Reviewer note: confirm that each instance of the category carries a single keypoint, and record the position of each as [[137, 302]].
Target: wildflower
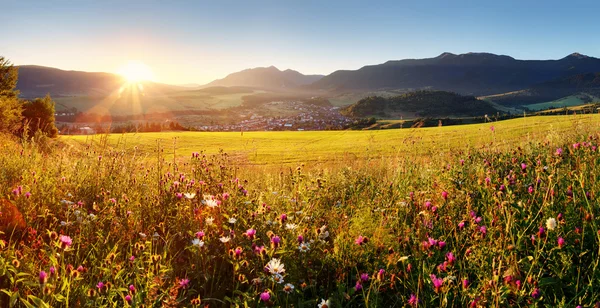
[[361, 240], [441, 244], [323, 233], [465, 283], [536, 293], [238, 252], [179, 195], [232, 220], [198, 242], [132, 258], [288, 288], [65, 241], [551, 224], [461, 225], [100, 286], [265, 296], [225, 196], [492, 128], [324, 304], [413, 300], [211, 203], [300, 238], [209, 221], [290, 226], [450, 258], [275, 267], [225, 239], [304, 247], [358, 286], [437, 282], [530, 189], [364, 277], [184, 283], [128, 298], [483, 230], [283, 218], [278, 278], [250, 233], [200, 234], [259, 250], [523, 166], [380, 274], [43, 277], [558, 152], [445, 195], [189, 195], [541, 231], [576, 145], [275, 241], [561, 242]]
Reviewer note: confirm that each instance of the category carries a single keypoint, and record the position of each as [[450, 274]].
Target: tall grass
[[480, 225]]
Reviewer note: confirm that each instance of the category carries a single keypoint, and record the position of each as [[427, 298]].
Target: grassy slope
[[327, 146]]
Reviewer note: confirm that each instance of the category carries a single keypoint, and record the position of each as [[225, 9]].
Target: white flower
[[278, 278], [232, 220], [291, 226], [155, 235], [288, 288], [211, 203], [225, 239], [551, 224], [209, 220], [142, 235], [197, 242], [324, 234], [324, 304], [304, 247], [92, 216], [190, 195], [77, 212], [275, 267]]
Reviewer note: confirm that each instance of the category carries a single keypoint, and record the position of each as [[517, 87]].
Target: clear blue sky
[[198, 41]]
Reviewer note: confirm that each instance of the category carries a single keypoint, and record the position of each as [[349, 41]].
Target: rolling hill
[[470, 73], [419, 104], [266, 78]]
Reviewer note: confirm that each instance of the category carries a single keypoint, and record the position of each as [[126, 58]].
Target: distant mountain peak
[[446, 55], [577, 56]]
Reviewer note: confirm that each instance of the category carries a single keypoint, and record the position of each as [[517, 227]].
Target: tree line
[[23, 117]]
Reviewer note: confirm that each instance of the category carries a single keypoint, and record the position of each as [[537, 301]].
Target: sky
[[199, 41]]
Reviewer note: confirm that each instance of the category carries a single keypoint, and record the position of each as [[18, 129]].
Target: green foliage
[[421, 103], [10, 108], [39, 115]]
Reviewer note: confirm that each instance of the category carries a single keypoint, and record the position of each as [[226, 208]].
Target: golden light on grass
[[136, 71]]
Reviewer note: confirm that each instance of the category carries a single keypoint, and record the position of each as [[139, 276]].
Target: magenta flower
[[559, 152], [451, 258], [43, 277], [250, 233], [483, 230], [283, 218], [300, 239], [541, 232], [441, 244], [225, 196], [360, 240], [561, 242], [364, 277], [52, 270], [265, 296], [576, 145], [184, 283], [465, 283], [530, 189], [492, 128], [65, 241], [358, 286], [128, 298], [461, 225], [27, 195], [428, 204], [132, 288], [413, 300], [437, 282], [275, 240], [100, 285], [537, 293], [523, 166], [445, 195], [380, 274]]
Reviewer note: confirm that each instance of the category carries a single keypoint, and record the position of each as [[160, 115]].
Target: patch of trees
[[23, 117]]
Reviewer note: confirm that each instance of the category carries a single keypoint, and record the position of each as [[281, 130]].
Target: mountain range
[[470, 73], [267, 78]]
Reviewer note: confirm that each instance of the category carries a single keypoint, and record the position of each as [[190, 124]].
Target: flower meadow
[[477, 227]]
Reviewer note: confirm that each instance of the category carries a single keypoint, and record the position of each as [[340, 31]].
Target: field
[[502, 214]]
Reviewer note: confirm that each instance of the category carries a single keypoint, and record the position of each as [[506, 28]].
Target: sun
[[136, 71]]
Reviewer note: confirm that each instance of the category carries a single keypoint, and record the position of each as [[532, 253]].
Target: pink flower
[[283, 218], [275, 241], [358, 286], [43, 277], [523, 166], [536, 293], [364, 277], [128, 298], [437, 282], [451, 258], [250, 233], [445, 195], [360, 240], [65, 241], [530, 189], [225, 196], [441, 244], [100, 285], [300, 238], [132, 288], [559, 151], [483, 230], [561, 242], [265, 296], [200, 235], [184, 283], [413, 300], [461, 225], [465, 283]]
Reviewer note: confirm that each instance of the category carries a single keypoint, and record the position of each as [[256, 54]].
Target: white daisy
[[324, 304], [275, 267], [211, 203], [551, 224], [304, 247], [197, 242], [209, 221], [225, 239], [190, 195], [278, 278], [288, 288], [232, 220], [290, 226]]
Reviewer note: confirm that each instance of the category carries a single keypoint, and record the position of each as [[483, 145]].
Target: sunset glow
[[136, 71]]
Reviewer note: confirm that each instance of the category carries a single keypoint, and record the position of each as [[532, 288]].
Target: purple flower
[[100, 285], [559, 151], [465, 283], [275, 240], [364, 277], [65, 241], [52, 270], [250, 233], [441, 244], [536, 293], [128, 298], [450, 257], [283, 217], [483, 230], [132, 288], [358, 286], [265, 296], [43, 277], [542, 231], [360, 240], [461, 225], [184, 283]]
